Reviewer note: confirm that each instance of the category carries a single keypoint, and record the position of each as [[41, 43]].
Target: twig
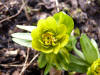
[[57, 5], [19, 65], [26, 13], [25, 61], [19, 11], [33, 59], [35, 10], [12, 65], [30, 62]]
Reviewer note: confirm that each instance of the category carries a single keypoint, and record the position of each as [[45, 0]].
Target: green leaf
[[72, 46], [77, 52], [77, 64], [95, 45], [89, 51], [63, 18], [47, 69], [22, 42], [62, 61], [24, 36], [49, 56], [77, 68], [64, 52], [27, 28], [57, 64], [42, 60], [69, 46], [78, 61]]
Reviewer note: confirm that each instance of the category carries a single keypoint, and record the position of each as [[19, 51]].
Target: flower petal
[[47, 24], [61, 30], [56, 49], [35, 37], [36, 44], [64, 40]]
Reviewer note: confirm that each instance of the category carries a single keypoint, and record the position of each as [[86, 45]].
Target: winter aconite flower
[[49, 36], [95, 68]]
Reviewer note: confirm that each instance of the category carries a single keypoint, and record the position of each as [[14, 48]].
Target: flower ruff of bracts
[[49, 36], [95, 68]]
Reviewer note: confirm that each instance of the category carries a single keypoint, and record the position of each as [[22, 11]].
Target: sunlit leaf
[[95, 45], [22, 42], [27, 28], [24, 36]]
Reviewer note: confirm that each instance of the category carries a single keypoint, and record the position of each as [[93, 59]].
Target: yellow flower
[[52, 33], [49, 36], [95, 68]]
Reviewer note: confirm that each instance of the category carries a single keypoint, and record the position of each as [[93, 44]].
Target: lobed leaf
[[77, 52], [89, 51], [77, 64], [77, 68], [78, 61]]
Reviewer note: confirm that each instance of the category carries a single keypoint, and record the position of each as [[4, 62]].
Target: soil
[[86, 15]]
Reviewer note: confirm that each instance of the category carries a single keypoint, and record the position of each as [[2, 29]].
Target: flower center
[[48, 39], [98, 69]]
